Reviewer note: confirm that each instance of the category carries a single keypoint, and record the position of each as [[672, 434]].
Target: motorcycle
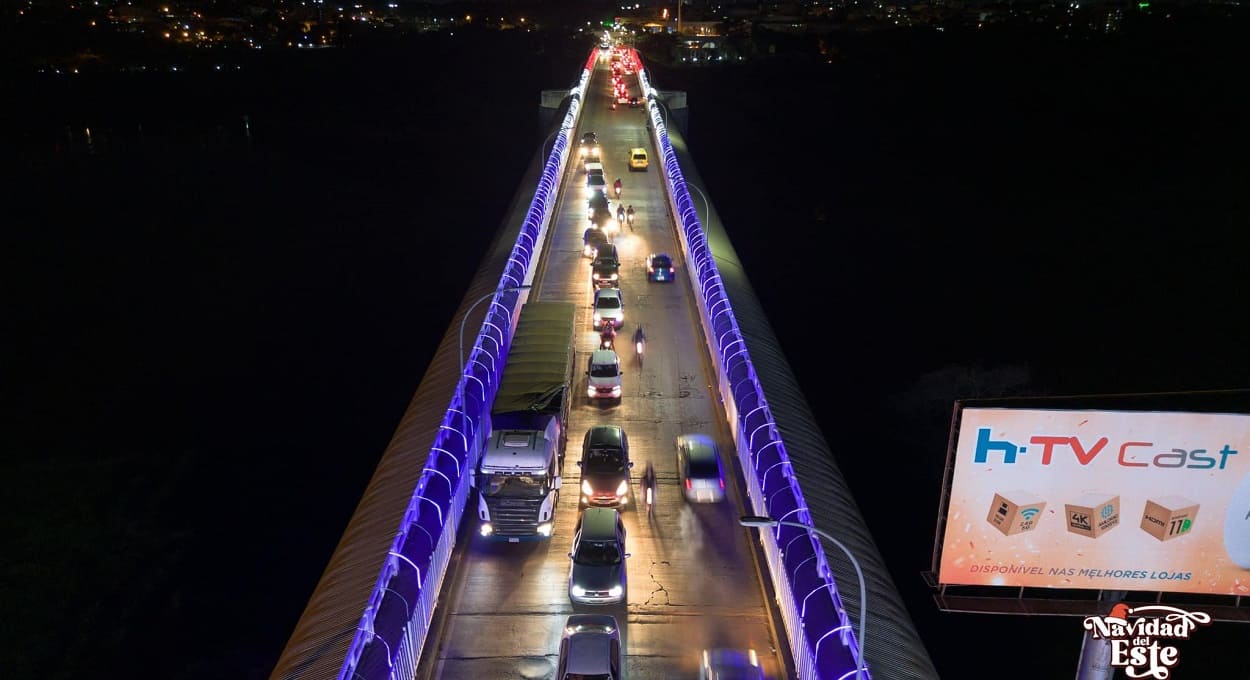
[[617, 188], [607, 338]]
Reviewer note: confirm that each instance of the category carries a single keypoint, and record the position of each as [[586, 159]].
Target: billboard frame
[[1034, 601]]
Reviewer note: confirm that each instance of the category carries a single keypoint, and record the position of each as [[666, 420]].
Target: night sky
[[210, 336]]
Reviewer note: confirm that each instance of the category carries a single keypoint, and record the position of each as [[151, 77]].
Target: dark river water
[[223, 288]]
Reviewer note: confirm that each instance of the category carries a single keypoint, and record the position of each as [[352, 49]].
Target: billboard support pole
[[1095, 663]]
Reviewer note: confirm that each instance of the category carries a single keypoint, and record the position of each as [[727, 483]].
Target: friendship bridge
[[411, 591]]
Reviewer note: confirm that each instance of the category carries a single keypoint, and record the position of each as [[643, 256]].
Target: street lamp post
[[762, 522], [665, 107], [707, 209], [547, 139], [460, 355]]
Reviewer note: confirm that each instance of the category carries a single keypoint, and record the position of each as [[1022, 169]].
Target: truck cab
[[519, 482]]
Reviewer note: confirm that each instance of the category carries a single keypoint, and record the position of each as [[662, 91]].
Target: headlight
[[614, 591], [487, 529], [622, 488], [578, 591], [613, 277], [587, 488], [545, 529], [616, 391], [590, 391], [598, 317], [594, 275]]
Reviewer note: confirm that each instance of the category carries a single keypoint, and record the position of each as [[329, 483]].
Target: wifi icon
[[1029, 513]]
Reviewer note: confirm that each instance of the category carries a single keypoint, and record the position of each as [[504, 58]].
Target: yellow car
[[637, 159]]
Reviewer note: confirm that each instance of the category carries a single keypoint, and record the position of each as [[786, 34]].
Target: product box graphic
[[1093, 514], [1014, 512], [1169, 517]]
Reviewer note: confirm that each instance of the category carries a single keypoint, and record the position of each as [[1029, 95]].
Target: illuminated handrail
[[417, 561], [811, 606]]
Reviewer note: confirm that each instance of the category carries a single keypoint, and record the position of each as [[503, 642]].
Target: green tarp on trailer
[[540, 362]]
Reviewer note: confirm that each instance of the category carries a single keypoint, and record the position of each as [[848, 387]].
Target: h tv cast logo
[[1135, 644], [1085, 452]]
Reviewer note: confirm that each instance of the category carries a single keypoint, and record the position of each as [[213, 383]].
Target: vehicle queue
[[591, 645]]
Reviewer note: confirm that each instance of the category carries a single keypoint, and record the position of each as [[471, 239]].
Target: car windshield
[[604, 371], [608, 302], [704, 469], [595, 179], [661, 261], [514, 486], [597, 554], [603, 461]]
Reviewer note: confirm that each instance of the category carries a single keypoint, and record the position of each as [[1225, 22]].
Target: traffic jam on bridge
[[648, 460]]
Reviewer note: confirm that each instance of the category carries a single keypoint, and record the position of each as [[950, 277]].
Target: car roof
[[604, 356], [599, 523], [663, 255], [589, 653], [604, 435], [607, 292], [698, 446], [732, 664], [638, 150]]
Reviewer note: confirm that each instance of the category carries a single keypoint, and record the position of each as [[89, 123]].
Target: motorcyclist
[[617, 187], [629, 214], [640, 339], [648, 482], [620, 213], [607, 336]]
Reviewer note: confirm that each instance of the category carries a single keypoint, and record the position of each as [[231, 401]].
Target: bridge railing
[[396, 620], [821, 639]]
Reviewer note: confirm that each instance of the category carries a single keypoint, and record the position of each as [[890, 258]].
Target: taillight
[[688, 484], [722, 485]]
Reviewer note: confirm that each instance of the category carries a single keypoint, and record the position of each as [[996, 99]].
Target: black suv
[[605, 269], [605, 467]]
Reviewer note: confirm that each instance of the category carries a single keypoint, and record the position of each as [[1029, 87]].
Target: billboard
[[1101, 500]]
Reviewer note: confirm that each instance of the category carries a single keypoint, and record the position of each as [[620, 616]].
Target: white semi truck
[[518, 476]]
